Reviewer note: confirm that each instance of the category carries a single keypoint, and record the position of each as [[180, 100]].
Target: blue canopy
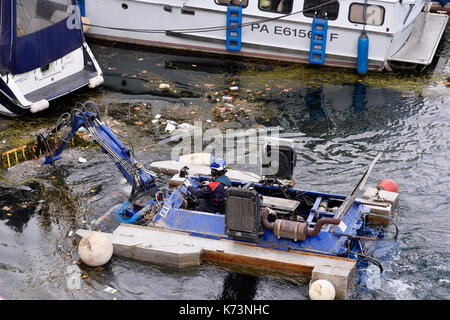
[[34, 33]]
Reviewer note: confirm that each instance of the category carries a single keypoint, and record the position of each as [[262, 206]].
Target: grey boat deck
[[62, 87]]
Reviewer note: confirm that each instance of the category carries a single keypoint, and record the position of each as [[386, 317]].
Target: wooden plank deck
[[179, 249]]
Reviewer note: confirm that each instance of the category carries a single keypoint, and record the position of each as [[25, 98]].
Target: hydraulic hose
[[387, 218], [214, 28]]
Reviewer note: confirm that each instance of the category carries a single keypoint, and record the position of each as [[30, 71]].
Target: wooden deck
[[179, 249]]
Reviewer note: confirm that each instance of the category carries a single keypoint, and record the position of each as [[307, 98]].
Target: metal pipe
[[320, 223], [265, 218], [293, 229]]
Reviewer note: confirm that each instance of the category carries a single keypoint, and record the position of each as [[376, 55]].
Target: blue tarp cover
[[34, 33]]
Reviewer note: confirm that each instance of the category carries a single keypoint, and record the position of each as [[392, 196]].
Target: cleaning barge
[[266, 223]]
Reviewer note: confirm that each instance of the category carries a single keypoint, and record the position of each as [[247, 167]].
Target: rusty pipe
[[320, 223], [284, 228], [290, 229], [265, 218], [293, 229]]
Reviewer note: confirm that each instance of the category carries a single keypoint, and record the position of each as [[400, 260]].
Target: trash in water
[[170, 127], [110, 290], [186, 126]]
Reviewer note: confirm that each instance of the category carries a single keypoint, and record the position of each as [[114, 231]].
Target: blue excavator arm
[[87, 116]]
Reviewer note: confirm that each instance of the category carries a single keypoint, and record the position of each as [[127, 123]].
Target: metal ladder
[[318, 40], [234, 27]]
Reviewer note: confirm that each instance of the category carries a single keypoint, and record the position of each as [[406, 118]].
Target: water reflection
[[343, 110], [238, 286], [338, 127], [18, 205], [359, 97]]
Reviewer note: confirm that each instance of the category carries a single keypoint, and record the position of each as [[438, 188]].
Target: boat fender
[[39, 106], [322, 290], [86, 24], [363, 53], [388, 185], [95, 82], [95, 249]]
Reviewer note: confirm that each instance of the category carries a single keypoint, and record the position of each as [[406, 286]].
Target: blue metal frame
[[82, 6], [108, 138], [213, 225]]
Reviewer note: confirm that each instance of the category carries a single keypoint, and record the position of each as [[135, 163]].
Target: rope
[[365, 15], [371, 259]]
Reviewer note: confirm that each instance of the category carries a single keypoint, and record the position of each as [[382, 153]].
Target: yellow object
[[7, 153], [20, 31], [85, 21], [265, 3]]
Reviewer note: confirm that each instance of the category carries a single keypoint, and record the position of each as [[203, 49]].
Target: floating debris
[[110, 290], [170, 127]]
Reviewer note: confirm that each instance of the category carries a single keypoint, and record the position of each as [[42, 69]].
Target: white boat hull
[[31, 91], [283, 39]]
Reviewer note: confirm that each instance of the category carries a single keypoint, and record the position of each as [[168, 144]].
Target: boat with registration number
[[361, 34]]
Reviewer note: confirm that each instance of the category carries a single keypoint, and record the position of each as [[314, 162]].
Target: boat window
[[279, 6], [318, 8], [374, 14], [35, 15], [233, 2]]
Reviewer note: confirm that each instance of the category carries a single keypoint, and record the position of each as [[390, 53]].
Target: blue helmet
[[218, 164]]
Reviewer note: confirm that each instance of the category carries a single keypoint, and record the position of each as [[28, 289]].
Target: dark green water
[[342, 121]]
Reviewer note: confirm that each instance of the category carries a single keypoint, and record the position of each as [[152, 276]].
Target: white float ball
[[322, 290], [95, 249], [86, 24]]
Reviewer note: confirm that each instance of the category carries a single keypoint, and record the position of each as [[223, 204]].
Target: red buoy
[[388, 185]]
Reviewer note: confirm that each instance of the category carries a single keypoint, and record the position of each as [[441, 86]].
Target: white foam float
[[95, 249]]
